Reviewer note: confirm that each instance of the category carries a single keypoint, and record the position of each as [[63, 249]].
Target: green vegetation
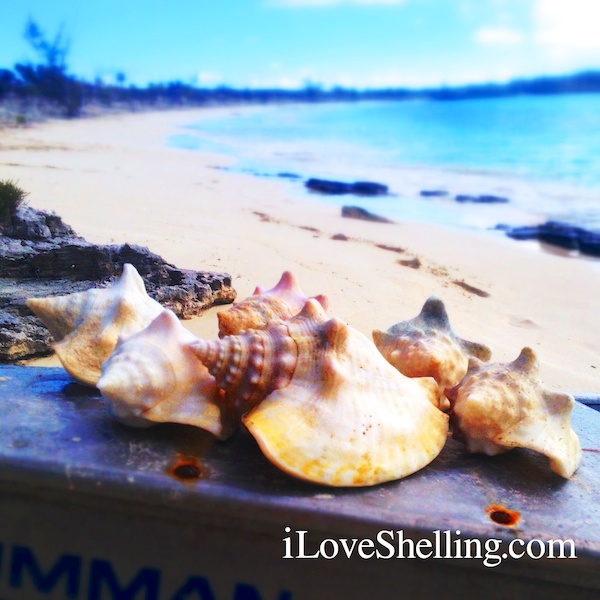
[[11, 196]]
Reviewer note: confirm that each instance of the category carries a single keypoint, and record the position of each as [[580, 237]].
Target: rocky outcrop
[[42, 256], [556, 233], [338, 188]]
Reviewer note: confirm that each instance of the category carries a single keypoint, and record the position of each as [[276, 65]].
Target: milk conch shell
[[86, 325], [153, 376], [323, 404], [426, 346], [283, 301], [497, 407]]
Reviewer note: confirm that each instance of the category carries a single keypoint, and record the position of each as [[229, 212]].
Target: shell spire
[[153, 376], [497, 407], [281, 302], [249, 366], [86, 325]]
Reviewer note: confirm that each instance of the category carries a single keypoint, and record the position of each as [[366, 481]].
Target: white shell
[[153, 376], [497, 407], [86, 325]]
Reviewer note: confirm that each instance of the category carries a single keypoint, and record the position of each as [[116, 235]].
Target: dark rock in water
[[560, 234], [339, 188], [434, 193], [490, 199], [42, 256], [356, 212], [589, 243], [483, 199], [369, 188], [465, 198], [340, 237], [325, 186], [523, 233]]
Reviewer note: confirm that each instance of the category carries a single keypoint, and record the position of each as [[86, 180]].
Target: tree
[[49, 78]]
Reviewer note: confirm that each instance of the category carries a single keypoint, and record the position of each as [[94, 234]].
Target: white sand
[[114, 180]]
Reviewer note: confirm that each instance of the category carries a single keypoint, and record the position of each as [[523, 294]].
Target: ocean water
[[541, 152]]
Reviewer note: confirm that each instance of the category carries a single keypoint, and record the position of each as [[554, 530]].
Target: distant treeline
[[48, 85], [32, 83]]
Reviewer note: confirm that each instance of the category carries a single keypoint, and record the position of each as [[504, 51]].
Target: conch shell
[[497, 407], [426, 346], [86, 325], [283, 301], [154, 376], [323, 404]]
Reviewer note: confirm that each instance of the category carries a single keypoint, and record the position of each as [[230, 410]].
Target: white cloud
[[306, 3], [567, 25], [501, 36], [206, 78]]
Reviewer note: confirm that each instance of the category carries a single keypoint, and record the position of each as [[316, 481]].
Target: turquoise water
[[541, 152]]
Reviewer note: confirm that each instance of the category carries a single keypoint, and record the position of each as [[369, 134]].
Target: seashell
[[323, 404], [497, 407], [86, 325], [153, 376], [426, 346], [283, 301]]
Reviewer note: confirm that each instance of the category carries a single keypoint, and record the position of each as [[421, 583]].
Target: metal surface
[[60, 450], [591, 400]]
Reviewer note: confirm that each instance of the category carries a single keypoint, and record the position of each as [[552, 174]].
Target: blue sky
[[361, 43]]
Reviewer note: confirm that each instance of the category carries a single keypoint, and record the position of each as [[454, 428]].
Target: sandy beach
[[115, 180]]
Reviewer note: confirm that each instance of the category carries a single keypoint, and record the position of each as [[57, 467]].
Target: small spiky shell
[[497, 407], [153, 376], [282, 302], [331, 410], [426, 346], [86, 325]]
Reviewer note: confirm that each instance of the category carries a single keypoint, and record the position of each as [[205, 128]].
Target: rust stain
[[186, 468], [502, 515]]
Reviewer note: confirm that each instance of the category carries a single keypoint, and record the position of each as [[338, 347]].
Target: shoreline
[[260, 146], [114, 179]]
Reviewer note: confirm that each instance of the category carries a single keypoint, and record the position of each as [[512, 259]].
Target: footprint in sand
[[523, 323], [471, 289]]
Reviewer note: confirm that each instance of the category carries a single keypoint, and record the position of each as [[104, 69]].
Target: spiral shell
[[153, 376], [330, 409], [86, 325], [283, 301], [426, 346], [497, 407]]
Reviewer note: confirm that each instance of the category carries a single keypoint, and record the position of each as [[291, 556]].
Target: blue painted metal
[[59, 446]]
